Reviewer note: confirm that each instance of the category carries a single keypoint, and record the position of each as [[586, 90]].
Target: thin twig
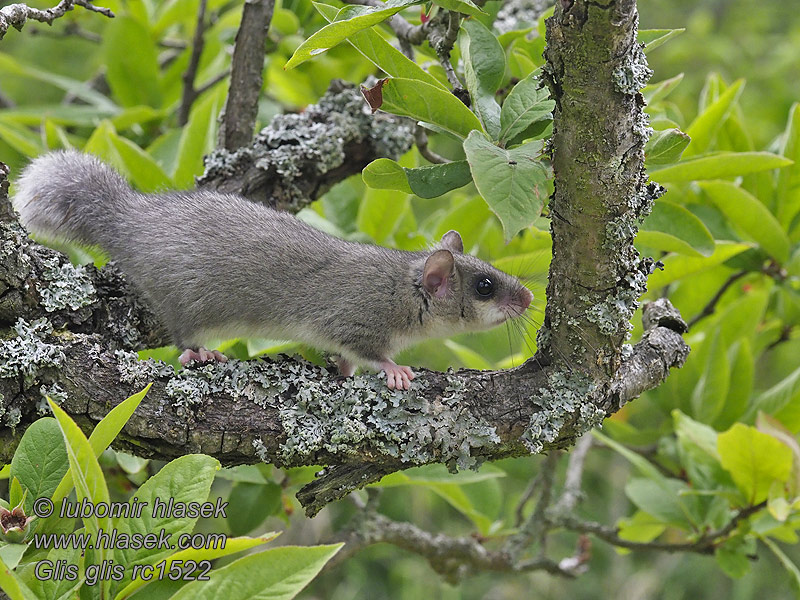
[[452, 557], [572, 494], [71, 29], [535, 528], [709, 308], [189, 91], [98, 9], [421, 140], [705, 544], [785, 336], [442, 37], [15, 15], [213, 81]]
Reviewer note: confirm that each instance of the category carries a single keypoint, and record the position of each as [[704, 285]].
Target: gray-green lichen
[[633, 74], [25, 355], [297, 146], [519, 14], [12, 417], [55, 393], [347, 417], [568, 399], [65, 286]]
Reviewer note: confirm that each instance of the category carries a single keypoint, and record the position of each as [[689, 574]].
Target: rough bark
[[241, 107], [291, 413]]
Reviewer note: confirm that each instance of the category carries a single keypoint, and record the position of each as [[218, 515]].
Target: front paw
[[201, 355], [398, 377]]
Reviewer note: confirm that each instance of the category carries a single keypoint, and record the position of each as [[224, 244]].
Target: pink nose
[[525, 297]]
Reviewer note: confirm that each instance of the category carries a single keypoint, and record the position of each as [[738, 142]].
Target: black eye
[[485, 287]]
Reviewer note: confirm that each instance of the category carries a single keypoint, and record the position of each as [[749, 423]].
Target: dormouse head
[[468, 293]]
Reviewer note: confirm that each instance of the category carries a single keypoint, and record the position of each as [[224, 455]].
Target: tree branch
[[298, 157], [453, 558], [709, 308], [198, 42], [238, 120], [705, 544], [15, 15]]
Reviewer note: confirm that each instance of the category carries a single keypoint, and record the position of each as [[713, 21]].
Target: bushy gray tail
[[70, 196]]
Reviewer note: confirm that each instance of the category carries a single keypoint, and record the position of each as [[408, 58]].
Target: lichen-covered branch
[[15, 15], [454, 558], [595, 68], [298, 157]]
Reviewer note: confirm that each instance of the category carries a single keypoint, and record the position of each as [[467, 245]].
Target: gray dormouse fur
[[217, 265]]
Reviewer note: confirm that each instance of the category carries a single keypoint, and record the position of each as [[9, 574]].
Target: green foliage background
[[737, 94]]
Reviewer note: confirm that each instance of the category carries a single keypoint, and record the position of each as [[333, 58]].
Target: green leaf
[[771, 426], [654, 92], [435, 180], [379, 214], [662, 499], [232, 546], [644, 466], [20, 139], [139, 166], [641, 527], [719, 165], [741, 318], [435, 474], [468, 357], [277, 574], [462, 6], [783, 393], [386, 174], [250, 504], [40, 460], [484, 68], [788, 187], [741, 385], [672, 228], [80, 89], [653, 38], [754, 460], [528, 103], [128, 158], [700, 435], [185, 479], [513, 182], [665, 147], [733, 561], [677, 267], [785, 561], [705, 126], [198, 137], [333, 34], [381, 53], [103, 434], [708, 396], [11, 554], [12, 586], [90, 484], [751, 216], [132, 76], [428, 103]]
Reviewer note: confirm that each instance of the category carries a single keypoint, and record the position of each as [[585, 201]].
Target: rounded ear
[[436, 275], [452, 241]]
